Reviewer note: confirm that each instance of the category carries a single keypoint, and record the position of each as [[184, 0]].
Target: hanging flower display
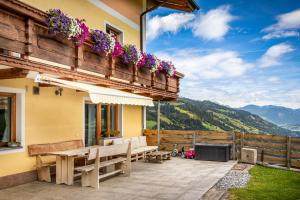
[[102, 42], [77, 31], [73, 29], [149, 61], [58, 22], [84, 33], [131, 54], [168, 68], [118, 50]]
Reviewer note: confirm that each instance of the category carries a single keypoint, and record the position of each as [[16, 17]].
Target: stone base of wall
[[17, 179]]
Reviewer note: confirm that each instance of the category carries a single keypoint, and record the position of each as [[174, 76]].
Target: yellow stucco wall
[[48, 118], [51, 118], [132, 118], [94, 16]]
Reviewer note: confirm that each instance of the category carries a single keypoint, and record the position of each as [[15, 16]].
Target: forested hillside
[[187, 114]]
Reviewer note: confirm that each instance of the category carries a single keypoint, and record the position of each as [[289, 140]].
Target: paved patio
[[174, 179]]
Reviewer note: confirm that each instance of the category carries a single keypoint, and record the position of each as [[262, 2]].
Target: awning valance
[[99, 94]]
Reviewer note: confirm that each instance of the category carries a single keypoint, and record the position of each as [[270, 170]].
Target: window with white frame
[[115, 32], [12, 102]]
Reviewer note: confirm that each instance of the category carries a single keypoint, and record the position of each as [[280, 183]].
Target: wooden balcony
[[26, 44]]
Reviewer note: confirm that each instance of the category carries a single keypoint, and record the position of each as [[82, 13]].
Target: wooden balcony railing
[[24, 31]]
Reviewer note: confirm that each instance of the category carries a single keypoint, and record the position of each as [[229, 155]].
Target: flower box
[[52, 48], [172, 84], [159, 81], [95, 62], [123, 71], [144, 76]]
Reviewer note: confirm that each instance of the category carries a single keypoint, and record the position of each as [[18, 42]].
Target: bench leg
[[90, 178], [44, 174]]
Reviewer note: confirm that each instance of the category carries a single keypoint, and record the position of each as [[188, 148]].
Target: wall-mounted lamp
[[58, 91]]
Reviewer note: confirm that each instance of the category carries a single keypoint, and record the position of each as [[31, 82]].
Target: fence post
[[194, 139], [242, 144], [233, 146], [288, 152]]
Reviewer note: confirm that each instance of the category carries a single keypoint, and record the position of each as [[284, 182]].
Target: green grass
[[269, 184], [188, 113], [150, 124]]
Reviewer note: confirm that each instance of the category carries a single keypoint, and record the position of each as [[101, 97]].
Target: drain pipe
[[142, 24], [158, 124]]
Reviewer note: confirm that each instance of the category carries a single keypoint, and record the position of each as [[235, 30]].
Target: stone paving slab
[[177, 179]]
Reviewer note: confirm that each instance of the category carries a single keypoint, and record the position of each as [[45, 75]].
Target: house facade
[[52, 91]]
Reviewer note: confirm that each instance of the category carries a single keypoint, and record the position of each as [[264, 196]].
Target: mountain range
[[188, 114], [281, 116]]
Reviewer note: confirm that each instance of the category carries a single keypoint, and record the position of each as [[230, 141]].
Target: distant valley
[[285, 117], [187, 114]]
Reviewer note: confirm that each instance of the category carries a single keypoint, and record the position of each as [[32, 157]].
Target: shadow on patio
[[174, 179]]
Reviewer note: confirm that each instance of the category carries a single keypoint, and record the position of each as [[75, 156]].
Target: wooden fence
[[271, 149]]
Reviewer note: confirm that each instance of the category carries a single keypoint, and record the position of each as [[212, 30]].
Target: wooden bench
[[40, 150], [120, 159]]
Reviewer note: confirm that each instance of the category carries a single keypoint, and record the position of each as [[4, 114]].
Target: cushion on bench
[[135, 143], [143, 141]]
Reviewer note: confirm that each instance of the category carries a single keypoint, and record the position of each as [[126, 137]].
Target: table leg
[[64, 169], [58, 170], [70, 170]]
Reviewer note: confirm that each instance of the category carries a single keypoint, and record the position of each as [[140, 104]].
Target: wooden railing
[[23, 31], [271, 149]]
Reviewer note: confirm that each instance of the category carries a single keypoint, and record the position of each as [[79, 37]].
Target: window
[[7, 118], [118, 34], [100, 121]]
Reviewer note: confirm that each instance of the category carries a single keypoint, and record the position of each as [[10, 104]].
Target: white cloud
[[171, 23], [274, 79], [280, 34], [214, 65], [286, 26], [214, 24], [273, 55]]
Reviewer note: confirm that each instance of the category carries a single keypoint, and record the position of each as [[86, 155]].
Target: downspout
[[141, 22]]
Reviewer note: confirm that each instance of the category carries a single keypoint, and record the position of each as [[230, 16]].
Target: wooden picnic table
[[65, 164]]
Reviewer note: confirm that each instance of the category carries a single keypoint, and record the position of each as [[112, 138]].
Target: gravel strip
[[234, 179]]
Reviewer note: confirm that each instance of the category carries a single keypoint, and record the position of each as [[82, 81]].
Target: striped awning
[[99, 94]]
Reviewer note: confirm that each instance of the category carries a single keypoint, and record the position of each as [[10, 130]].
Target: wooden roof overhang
[[182, 5], [26, 46]]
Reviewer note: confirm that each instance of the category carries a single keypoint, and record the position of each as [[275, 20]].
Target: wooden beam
[[53, 70], [13, 73]]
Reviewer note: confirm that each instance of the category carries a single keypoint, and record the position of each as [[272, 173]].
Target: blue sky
[[233, 52]]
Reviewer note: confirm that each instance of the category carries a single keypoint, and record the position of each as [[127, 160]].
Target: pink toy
[[190, 154]]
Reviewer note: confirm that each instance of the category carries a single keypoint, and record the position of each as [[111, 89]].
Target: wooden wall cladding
[[12, 32], [122, 71], [159, 81], [24, 36], [95, 62], [52, 48], [172, 84], [144, 77]]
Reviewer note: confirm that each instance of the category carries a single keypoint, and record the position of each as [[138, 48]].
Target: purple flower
[[131, 54], [168, 68], [58, 22], [103, 43]]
